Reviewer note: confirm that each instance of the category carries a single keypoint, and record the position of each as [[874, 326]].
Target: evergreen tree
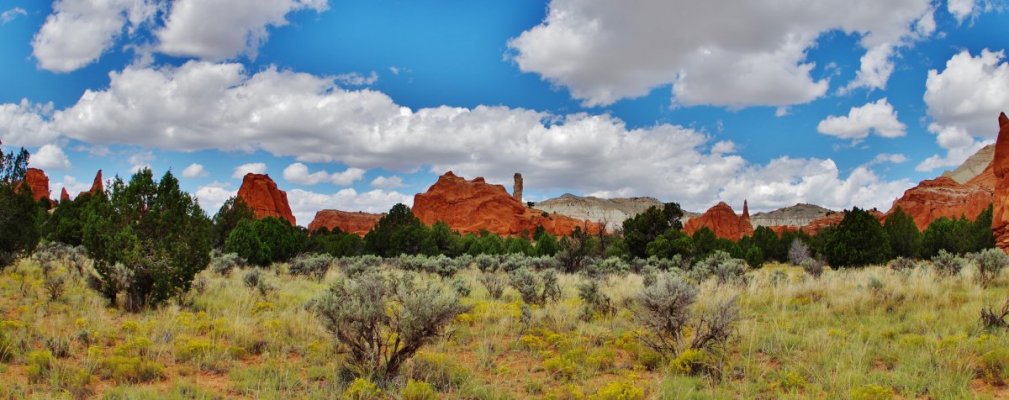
[[858, 240], [705, 242], [952, 235], [546, 245], [671, 243], [981, 233], [148, 239], [283, 240], [20, 216], [645, 227], [769, 244], [905, 240], [398, 232], [233, 211], [244, 241]]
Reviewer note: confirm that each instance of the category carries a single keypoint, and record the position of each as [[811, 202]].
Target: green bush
[[990, 264], [535, 288], [382, 321], [415, 390], [948, 264], [312, 265]]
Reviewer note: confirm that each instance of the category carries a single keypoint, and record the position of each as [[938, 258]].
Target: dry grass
[[866, 333]]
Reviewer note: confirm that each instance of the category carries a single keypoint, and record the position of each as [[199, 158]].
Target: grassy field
[[871, 333]]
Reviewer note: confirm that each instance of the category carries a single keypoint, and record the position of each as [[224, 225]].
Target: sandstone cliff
[[261, 194], [1000, 169], [469, 206], [38, 183], [723, 221], [351, 222]]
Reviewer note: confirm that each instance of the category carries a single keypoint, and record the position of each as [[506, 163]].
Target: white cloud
[[878, 117], [79, 31], [383, 182], [202, 105], [11, 14], [356, 79], [194, 170], [73, 186], [26, 124], [139, 161], [964, 102], [212, 196], [305, 204], [50, 156], [732, 53], [298, 173], [888, 158], [961, 9], [221, 29], [250, 168]]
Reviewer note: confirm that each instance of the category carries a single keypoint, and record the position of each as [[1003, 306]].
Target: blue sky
[[357, 105]]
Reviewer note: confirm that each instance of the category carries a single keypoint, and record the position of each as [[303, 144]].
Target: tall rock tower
[[517, 190], [1000, 166]]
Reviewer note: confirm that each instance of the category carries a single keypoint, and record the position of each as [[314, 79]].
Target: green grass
[[863, 333]]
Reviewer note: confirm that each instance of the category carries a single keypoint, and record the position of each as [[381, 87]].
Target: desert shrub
[[440, 370], [40, 363], [311, 265], [664, 309], [54, 285], [619, 390], [813, 267], [356, 265], [948, 264], [486, 262], [439, 264], [609, 265], [902, 264], [872, 392], [223, 263], [535, 288], [722, 266], [543, 263], [381, 321], [798, 252], [990, 263], [417, 390], [58, 346], [511, 262], [460, 287], [362, 389], [995, 319], [255, 280], [595, 301], [494, 282]]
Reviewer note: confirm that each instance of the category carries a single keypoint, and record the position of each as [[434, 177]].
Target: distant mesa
[[944, 197], [358, 223], [611, 212], [723, 221], [795, 216], [1000, 171], [471, 206], [261, 194]]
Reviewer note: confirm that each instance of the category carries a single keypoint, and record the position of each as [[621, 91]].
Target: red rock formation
[[517, 188], [1000, 169], [261, 194], [834, 218], [38, 183], [471, 206], [723, 221], [944, 197], [64, 196], [350, 222], [96, 185], [779, 229]]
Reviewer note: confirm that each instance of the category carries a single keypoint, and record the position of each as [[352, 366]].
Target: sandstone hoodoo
[[64, 195], [96, 185], [261, 194], [351, 222], [38, 183], [517, 189], [1000, 168], [723, 221], [470, 206]]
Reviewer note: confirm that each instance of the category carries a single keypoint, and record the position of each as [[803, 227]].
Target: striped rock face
[[1000, 167]]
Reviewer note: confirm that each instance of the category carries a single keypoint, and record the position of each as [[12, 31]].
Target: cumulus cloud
[[305, 204], [202, 105], [960, 9], [250, 168], [50, 156], [220, 29], [213, 195], [878, 117], [141, 160], [11, 14], [732, 53], [298, 173], [964, 102], [888, 158], [79, 31], [390, 182], [194, 170], [26, 124], [356, 79]]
